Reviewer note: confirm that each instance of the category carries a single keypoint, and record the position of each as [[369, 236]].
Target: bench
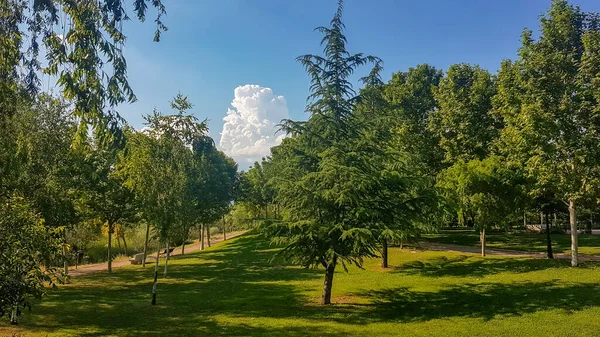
[[137, 259], [165, 251]]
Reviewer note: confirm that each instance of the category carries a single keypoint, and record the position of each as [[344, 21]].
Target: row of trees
[[429, 148], [170, 176]]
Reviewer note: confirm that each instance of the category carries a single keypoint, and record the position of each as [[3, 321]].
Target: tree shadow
[[469, 266], [485, 301], [235, 280]]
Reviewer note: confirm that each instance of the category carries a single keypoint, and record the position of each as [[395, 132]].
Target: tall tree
[[322, 177], [549, 103]]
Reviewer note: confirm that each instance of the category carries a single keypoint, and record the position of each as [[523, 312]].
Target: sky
[[235, 59]]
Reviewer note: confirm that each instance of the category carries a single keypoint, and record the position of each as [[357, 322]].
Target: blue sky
[[214, 46]]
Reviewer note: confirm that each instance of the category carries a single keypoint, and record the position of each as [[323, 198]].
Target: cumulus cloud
[[250, 126]]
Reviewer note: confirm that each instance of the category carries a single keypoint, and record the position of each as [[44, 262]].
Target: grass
[[524, 241], [232, 289]]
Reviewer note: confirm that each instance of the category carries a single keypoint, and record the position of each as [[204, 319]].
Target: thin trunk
[[548, 239], [328, 283], [146, 245], [65, 259], [155, 273], [384, 253], [573, 223], [124, 243], [208, 235], [14, 316], [524, 219], [401, 243], [202, 237], [185, 237], [541, 220], [482, 240], [166, 260], [119, 241], [109, 247], [224, 231], [590, 224]]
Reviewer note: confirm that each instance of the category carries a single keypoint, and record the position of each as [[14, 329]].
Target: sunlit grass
[[233, 289]]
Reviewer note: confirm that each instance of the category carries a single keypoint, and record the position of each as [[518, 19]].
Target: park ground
[[235, 289]]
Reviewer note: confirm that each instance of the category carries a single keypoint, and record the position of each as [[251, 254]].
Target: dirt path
[[500, 252], [97, 267]]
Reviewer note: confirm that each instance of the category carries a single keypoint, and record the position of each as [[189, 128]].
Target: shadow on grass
[[217, 292], [480, 301], [463, 265]]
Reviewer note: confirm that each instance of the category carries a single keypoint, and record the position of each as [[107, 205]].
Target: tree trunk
[[109, 248], [119, 242], [224, 231], [541, 221], [573, 223], [124, 242], [548, 239], [384, 253], [185, 237], [401, 243], [155, 273], [166, 260], [208, 235], [146, 245], [482, 240], [202, 237], [525, 219], [14, 316], [65, 259], [590, 225], [329, 271]]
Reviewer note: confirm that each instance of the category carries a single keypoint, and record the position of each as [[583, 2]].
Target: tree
[[157, 168], [25, 258], [463, 122], [410, 95], [402, 198], [482, 192], [322, 177], [106, 196], [89, 39], [548, 100]]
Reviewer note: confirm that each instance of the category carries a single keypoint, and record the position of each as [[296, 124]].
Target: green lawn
[[233, 290], [530, 242]]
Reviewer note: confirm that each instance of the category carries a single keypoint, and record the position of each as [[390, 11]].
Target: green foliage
[[483, 192], [548, 100], [25, 258], [83, 41], [463, 122], [411, 97]]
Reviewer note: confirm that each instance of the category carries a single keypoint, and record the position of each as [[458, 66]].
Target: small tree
[[25, 258], [483, 192]]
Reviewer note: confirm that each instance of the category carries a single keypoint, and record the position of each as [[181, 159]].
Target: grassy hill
[[232, 289]]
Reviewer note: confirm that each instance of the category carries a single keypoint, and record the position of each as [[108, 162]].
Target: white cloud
[[249, 129]]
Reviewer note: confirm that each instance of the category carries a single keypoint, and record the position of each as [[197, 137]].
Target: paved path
[[97, 267], [501, 252]]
